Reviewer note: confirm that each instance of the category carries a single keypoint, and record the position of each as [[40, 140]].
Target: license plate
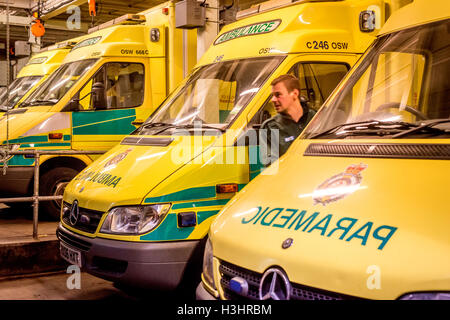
[[70, 255]]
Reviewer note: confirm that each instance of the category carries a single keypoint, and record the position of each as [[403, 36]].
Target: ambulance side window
[[121, 84], [317, 81]]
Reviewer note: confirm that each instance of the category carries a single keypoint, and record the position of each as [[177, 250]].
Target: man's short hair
[[291, 82]]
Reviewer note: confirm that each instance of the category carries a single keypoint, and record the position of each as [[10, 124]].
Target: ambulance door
[[107, 105], [317, 80]]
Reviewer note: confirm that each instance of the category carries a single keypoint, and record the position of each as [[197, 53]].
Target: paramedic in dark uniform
[[293, 116]]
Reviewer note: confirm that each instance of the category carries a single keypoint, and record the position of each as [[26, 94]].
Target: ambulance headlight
[[134, 220], [208, 273], [427, 296]]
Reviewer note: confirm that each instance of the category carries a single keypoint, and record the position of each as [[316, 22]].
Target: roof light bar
[[60, 45], [272, 4], [263, 6], [125, 19]]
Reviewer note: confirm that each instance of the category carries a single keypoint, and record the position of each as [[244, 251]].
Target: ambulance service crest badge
[[340, 185], [118, 158]]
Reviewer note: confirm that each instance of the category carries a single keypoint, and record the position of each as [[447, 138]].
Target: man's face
[[281, 98]]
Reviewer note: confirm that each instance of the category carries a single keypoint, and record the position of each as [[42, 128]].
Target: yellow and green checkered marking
[[193, 199]]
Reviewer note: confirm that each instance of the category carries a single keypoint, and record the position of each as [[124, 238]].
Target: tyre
[[53, 183], [21, 208]]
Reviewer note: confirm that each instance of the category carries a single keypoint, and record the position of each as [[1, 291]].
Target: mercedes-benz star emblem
[[74, 213], [274, 285]]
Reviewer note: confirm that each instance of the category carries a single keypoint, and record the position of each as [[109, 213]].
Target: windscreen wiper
[[154, 124], [428, 127], [189, 126], [166, 126], [371, 127], [201, 127], [37, 102], [23, 104]]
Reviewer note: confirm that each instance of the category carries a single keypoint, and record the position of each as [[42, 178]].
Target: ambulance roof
[[417, 13], [43, 63], [118, 40], [303, 26]]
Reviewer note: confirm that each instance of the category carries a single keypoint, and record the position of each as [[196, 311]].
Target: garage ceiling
[[55, 16]]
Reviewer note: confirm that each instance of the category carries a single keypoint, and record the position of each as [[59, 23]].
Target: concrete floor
[[54, 287], [17, 227]]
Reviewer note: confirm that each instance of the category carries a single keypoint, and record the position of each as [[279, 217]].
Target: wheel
[[23, 209], [20, 205], [396, 105], [53, 183]]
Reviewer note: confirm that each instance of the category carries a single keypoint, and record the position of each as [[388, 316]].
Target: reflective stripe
[[29, 139], [168, 229], [51, 144], [118, 126], [197, 204], [185, 195], [188, 194], [35, 139]]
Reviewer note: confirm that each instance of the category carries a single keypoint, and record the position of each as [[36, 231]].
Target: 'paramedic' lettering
[[101, 178], [346, 228], [250, 30]]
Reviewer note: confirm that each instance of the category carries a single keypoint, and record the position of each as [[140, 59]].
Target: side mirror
[[98, 96], [72, 105]]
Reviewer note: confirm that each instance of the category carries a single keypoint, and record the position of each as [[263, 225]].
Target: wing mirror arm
[[98, 96], [74, 104], [78, 100], [98, 92]]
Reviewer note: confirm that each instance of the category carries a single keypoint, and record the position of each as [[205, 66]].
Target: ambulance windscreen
[[59, 83], [216, 93], [401, 88], [17, 89]]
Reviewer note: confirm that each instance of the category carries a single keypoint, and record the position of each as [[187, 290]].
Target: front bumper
[[16, 181], [149, 265], [202, 294]]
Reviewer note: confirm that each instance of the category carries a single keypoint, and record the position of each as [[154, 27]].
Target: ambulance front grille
[[73, 241], [88, 220], [380, 150], [299, 292]]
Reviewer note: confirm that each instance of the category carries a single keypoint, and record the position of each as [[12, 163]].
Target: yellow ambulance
[[143, 210], [108, 84], [359, 209], [38, 68]]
